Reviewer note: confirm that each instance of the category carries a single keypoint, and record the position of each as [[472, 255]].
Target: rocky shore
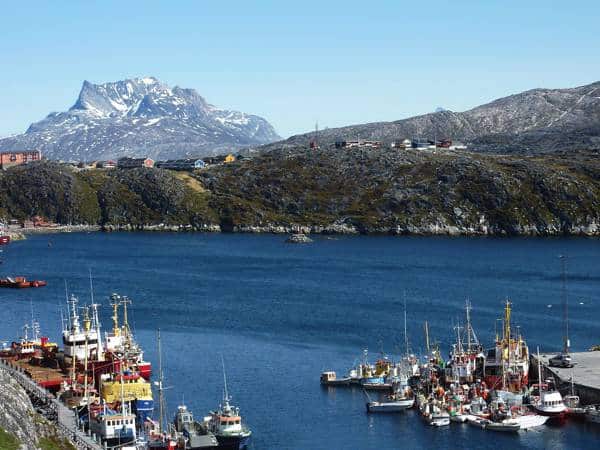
[[21, 426], [328, 191]]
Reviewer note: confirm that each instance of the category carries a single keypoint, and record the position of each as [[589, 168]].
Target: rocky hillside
[[140, 117], [535, 121], [21, 427], [355, 191]]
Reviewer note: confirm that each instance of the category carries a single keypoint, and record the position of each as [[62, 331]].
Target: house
[[132, 163], [404, 144], [9, 159], [229, 159], [181, 164], [110, 164]]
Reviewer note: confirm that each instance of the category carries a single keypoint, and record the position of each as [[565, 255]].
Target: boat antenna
[[67, 299], [427, 338], [91, 287], [224, 380], [565, 303]]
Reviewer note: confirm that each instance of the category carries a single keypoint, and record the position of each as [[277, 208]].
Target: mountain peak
[[141, 117]]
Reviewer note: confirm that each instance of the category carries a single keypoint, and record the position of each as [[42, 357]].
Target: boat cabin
[[328, 376]]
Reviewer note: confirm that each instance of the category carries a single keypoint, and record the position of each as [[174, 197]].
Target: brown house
[[9, 159]]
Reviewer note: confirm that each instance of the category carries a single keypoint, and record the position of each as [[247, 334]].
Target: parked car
[[561, 360]]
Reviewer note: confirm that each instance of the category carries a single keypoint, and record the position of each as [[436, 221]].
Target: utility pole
[[565, 304]]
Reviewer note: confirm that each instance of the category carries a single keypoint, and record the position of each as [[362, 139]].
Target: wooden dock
[[585, 373]]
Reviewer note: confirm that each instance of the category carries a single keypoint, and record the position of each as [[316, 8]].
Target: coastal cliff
[[325, 191]]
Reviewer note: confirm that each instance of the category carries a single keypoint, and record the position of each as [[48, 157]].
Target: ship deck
[[44, 376]]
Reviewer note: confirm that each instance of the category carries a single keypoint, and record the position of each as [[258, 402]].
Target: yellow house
[[229, 158]]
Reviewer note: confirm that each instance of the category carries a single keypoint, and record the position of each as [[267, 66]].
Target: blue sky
[[338, 62]]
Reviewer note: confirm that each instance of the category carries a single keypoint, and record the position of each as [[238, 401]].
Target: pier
[[48, 406], [585, 373]]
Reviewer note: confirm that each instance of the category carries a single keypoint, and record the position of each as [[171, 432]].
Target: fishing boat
[[131, 388], [466, 354], [113, 427], [158, 437], [549, 402], [433, 414], [226, 424], [329, 378], [4, 239], [120, 342], [507, 364], [21, 283], [194, 435], [397, 401]]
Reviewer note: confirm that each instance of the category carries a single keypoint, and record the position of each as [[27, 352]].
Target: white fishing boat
[[549, 402], [393, 403], [527, 421], [458, 418], [477, 421]]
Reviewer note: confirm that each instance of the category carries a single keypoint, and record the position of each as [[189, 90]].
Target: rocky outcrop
[[328, 191], [16, 412]]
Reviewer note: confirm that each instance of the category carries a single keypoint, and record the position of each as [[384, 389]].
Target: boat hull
[[390, 407], [233, 442]]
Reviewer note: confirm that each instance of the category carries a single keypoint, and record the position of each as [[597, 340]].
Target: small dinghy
[[391, 404], [439, 419], [458, 418], [509, 425], [478, 422]]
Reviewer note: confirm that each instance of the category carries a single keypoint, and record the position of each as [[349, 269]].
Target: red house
[[9, 159]]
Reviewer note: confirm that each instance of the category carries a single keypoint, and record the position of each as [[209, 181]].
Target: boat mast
[[86, 329], [226, 399], [161, 399], [566, 342], [115, 316], [427, 338]]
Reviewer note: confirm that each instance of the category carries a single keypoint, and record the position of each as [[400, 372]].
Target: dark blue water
[[280, 314]]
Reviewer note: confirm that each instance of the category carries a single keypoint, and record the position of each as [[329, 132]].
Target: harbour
[[217, 285]]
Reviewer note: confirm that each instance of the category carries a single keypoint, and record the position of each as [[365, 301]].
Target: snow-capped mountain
[[140, 117]]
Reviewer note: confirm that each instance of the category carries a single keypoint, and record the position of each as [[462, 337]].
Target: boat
[[158, 437], [226, 424], [114, 428], [527, 421], [4, 239], [433, 414], [477, 421], [466, 353], [120, 342], [506, 425], [592, 414], [21, 283], [329, 378], [395, 402], [195, 435], [549, 402], [507, 364], [131, 388]]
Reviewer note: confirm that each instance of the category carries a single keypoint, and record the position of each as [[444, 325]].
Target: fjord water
[[280, 314]]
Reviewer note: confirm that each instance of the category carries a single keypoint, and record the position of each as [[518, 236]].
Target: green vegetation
[[372, 191], [8, 441], [54, 443]]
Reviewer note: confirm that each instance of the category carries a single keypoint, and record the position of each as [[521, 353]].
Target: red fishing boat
[[4, 240], [20, 283], [506, 366]]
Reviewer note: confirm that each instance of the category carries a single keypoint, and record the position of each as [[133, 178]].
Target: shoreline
[[336, 229]]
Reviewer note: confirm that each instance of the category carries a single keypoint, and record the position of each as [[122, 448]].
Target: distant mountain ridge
[[538, 120], [140, 117]]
